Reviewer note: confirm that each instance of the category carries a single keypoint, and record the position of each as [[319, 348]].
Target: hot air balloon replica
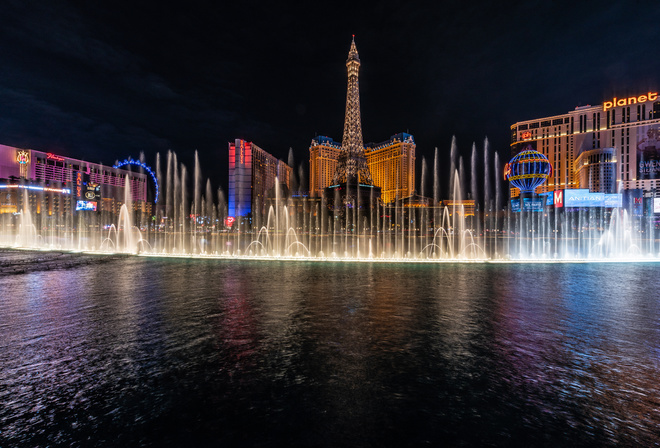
[[528, 170]]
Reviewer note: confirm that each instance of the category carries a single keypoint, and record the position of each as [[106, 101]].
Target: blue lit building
[[252, 173]]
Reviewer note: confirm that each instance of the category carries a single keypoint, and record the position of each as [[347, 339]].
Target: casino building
[[253, 174], [391, 163], [57, 184], [598, 147]]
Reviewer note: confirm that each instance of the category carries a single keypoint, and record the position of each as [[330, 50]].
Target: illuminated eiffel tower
[[352, 165]]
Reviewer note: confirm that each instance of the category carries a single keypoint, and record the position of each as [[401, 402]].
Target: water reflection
[[206, 353]]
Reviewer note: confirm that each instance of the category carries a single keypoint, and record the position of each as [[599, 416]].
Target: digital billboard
[[648, 152], [582, 197], [633, 200], [656, 205], [613, 200], [529, 204], [86, 205]]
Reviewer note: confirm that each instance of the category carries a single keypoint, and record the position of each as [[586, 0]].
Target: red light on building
[[79, 183], [507, 171], [229, 221], [526, 135]]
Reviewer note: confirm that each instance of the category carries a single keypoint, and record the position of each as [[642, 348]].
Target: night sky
[[105, 80]]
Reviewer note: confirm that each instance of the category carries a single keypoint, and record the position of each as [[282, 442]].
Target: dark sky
[[104, 80]]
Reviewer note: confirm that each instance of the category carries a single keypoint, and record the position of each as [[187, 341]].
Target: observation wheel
[[146, 167]]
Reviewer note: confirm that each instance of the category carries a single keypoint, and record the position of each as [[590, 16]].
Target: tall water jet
[[196, 211], [452, 166], [487, 184], [473, 175], [27, 231], [436, 178], [125, 236], [461, 177]]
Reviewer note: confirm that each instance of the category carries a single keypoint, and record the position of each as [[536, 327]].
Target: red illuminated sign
[[78, 184], [526, 135], [558, 197], [507, 171], [229, 221], [52, 156]]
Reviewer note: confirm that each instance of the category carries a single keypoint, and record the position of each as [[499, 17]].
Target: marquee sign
[[651, 96]]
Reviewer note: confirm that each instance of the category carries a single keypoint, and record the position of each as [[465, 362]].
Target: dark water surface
[[167, 352]]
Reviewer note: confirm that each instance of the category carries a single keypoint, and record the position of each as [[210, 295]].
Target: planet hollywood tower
[[352, 184]]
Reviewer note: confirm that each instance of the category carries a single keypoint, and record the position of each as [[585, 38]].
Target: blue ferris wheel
[[146, 167]]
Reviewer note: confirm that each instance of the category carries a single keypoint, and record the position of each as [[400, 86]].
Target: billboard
[[656, 205], [86, 205], [92, 191], [648, 152], [549, 198], [633, 200], [582, 197], [613, 200], [529, 204]]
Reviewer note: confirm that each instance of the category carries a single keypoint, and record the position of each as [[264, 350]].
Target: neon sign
[[141, 165], [507, 171], [651, 96], [52, 156], [229, 221], [22, 157], [526, 135], [78, 184]]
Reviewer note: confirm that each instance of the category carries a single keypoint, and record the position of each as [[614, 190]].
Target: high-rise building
[[253, 173], [323, 155], [392, 166], [621, 136]]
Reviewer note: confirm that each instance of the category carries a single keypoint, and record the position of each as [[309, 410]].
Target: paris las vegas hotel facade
[[603, 148]]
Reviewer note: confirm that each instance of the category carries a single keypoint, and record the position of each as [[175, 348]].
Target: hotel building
[[252, 175], [601, 147], [58, 183], [391, 163], [323, 155]]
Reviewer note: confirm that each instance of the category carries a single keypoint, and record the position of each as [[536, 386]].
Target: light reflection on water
[[153, 352]]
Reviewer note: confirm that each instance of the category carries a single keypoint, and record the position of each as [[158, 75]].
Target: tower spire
[[352, 163]]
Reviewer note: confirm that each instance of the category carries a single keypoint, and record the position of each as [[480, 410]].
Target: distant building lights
[[37, 188]]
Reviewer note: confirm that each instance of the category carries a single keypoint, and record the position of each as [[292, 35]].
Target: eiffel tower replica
[[352, 184]]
